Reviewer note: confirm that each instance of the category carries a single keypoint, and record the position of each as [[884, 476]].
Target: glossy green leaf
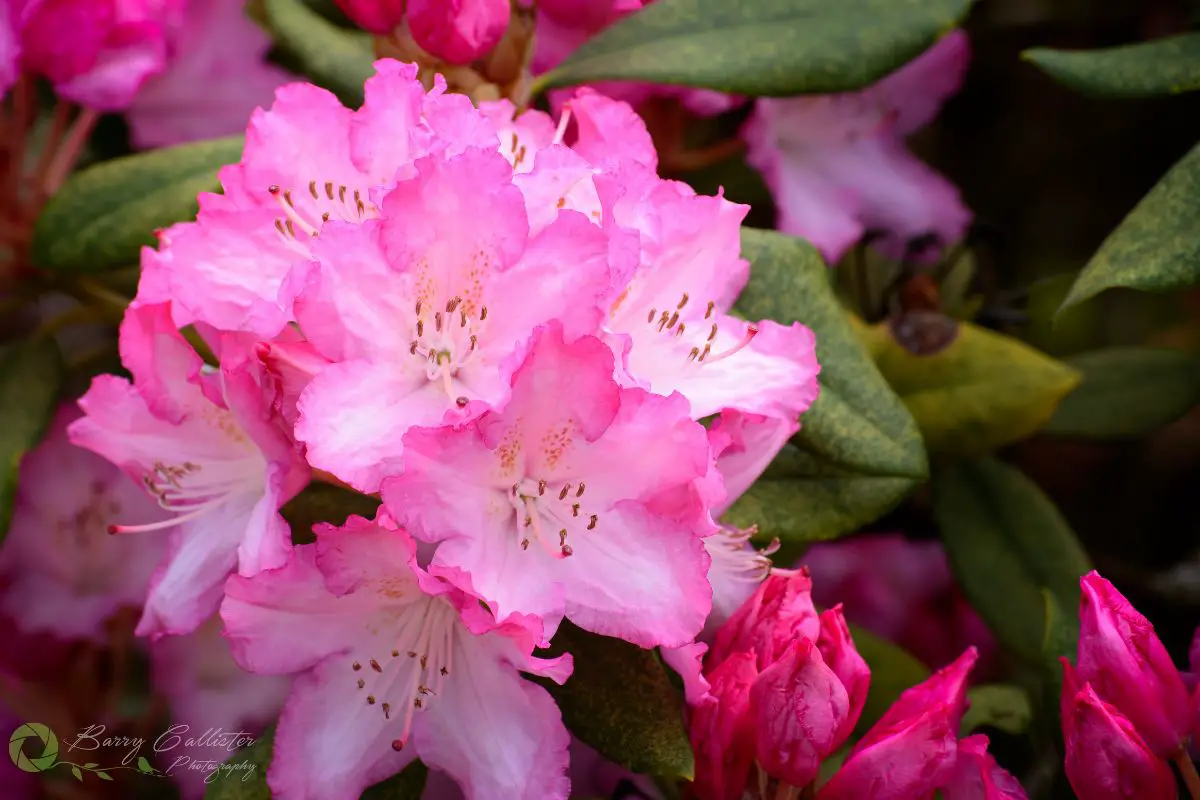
[[336, 58], [1156, 248], [858, 452], [985, 390], [893, 670], [105, 214], [1127, 392], [766, 47], [620, 701], [31, 374], [997, 705], [324, 502], [1146, 69], [243, 776], [1007, 542]]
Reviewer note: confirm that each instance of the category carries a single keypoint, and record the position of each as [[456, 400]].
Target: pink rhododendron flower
[[911, 750], [376, 16], [208, 691], [307, 160], [97, 53], [904, 591], [458, 31], [425, 317], [837, 166], [1106, 757], [215, 76], [205, 446], [395, 664], [976, 775], [60, 571], [556, 505], [1127, 666]]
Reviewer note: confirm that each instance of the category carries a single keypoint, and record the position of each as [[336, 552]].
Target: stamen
[[592, 522], [563, 121], [541, 487], [483, 314], [682, 302], [453, 304], [751, 332], [575, 509], [650, 316], [329, 189], [461, 402], [708, 312], [370, 699], [582, 486], [312, 189], [674, 319], [375, 666], [397, 745], [563, 494]]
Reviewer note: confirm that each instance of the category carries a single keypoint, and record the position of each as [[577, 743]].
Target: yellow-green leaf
[[1127, 392], [1006, 543], [1146, 69], [1157, 247], [985, 390], [858, 452], [765, 47], [338, 59], [31, 374], [620, 701], [105, 214]]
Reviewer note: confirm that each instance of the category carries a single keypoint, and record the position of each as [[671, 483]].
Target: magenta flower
[[394, 664], [205, 446], [1124, 662], [1106, 757], [837, 166], [307, 161], [376, 16], [977, 776], [722, 731], [60, 571], [207, 690], [911, 750], [778, 613], [555, 506], [425, 317], [458, 31], [214, 78]]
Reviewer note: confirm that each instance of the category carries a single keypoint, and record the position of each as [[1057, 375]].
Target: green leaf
[[324, 502], [1006, 543], [338, 59], [893, 670], [75, 771], [104, 776], [91, 764], [105, 214], [620, 701], [31, 374], [985, 390], [143, 765], [1157, 247], [997, 705], [233, 783], [1127, 392], [1146, 69], [766, 47], [858, 452]]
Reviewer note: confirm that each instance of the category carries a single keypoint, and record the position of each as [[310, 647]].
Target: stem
[[97, 294], [1188, 770], [69, 153], [19, 123], [692, 160], [58, 127]]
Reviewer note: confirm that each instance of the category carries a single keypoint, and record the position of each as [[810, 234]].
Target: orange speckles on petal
[[509, 451], [555, 444]]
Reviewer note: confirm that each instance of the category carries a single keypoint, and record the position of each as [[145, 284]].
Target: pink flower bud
[[780, 612], [977, 776], [837, 648], [910, 751], [458, 31], [722, 731], [800, 710], [1106, 758], [376, 16], [1126, 664]]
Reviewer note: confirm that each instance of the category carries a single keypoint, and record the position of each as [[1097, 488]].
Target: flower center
[[303, 214], [550, 514], [673, 323], [732, 559], [405, 679], [189, 490], [447, 340]]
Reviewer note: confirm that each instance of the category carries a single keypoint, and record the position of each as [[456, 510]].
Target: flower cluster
[[510, 329], [788, 688]]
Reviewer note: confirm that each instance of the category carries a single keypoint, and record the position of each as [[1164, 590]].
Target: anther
[[524, 544], [412, 654], [579, 492], [528, 522], [474, 342], [341, 194], [574, 509], [515, 142], [273, 189], [387, 711], [287, 197], [461, 402], [650, 316], [682, 302], [424, 660], [563, 494], [325, 216], [691, 356], [412, 348], [541, 487], [566, 550], [420, 327], [562, 536], [708, 312], [423, 689], [680, 329], [417, 702], [290, 229], [592, 522], [444, 671], [370, 699], [418, 308], [279, 227], [712, 334], [483, 314], [361, 683], [375, 666], [453, 304], [704, 353], [356, 666], [662, 321], [395, 654], [397, 745], [312, 189], [437, 321], [463, 319], [329, 189], [674, 319]]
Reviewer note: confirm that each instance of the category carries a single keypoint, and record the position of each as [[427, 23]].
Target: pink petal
[[977, 776], [457, 31], [609, 129], [753, 442]]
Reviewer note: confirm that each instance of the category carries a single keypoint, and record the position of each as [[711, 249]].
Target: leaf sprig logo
[[33, 747]]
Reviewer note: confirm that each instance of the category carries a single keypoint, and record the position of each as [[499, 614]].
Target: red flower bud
[[376, 16], [722, 730], [458, 31], [780, 612]]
